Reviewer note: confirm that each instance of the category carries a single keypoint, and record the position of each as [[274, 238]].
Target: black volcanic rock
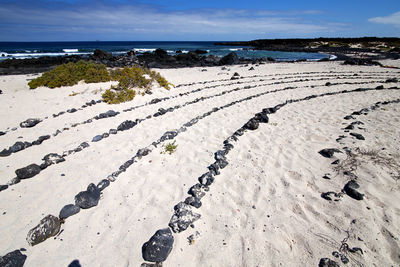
[[28, 171], [13, 259], [159, 246], [230, 59]]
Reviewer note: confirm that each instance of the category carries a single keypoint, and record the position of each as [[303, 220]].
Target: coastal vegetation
[[128, 78], [169, 148]]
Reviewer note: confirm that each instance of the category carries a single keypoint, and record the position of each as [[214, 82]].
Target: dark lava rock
[[262, 117], [358, 136], [269, 110], [197, 191], [182, 218], [194, 202], [53, 158], [252, 124], [349, 117], [43, 138], [350, 127], [328, 152], [89, 198], [100, 54], [206, 179], [112, 131], [49, 226], [29, 123], [108, 114], [168, 135], [103, 184], [361, 61], [69, 210], [327, 195], [126, 125], [159, 246], [222, 163], [230, 59], [28, 171], [97, 138], [143, 152], [13, 259], [3, 187], [351, 190], [18, 146], [328, 84], [326, 262], [379, 87], [5, 153], [220, 154], [392, 80], [72, 110], [2, 133], [75, 263]]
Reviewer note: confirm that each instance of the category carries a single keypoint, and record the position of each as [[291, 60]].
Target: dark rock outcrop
[[230, 59]]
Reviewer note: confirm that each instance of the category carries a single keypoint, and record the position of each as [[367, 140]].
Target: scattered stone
[[143, 152], [72, 110], [168, 135], [159, 246], [69, 210], [105, 135], [89, 198], [350, 127], [328, 84], [193, 201], [220, 154], [108, 114], [351, 190], [358, 136], [13, 259], [126, 125], [75, 263], [112, 131], [262, 117], [183, 217], [252, 68], [28, 171], [53, 158], [3, 187], [326, 262], [103, 184], [327, 196], [252, 124], [49, 226], [18, 146], [326, 177], [206, 179], [335, 162], [197, 191], [5, 153], [328, 152], [29, 123], [97, 138], [379, 87], [349, 117], [392, 80], [145, 264], [2, 133], [14, 181]]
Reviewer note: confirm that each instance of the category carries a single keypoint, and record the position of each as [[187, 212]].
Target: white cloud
[[393, 19], [129, 20]]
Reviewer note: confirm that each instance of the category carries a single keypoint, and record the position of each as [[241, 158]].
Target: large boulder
[[13, 259], [28, 171], [230, 59], [89, 198], [159, 246], [49, 226]]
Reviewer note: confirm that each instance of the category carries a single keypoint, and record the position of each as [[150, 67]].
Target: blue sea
[[37, 49]]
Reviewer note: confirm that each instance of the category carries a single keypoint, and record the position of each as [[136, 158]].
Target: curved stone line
[[94, 102], [19, 146], [34, 169], [293, 73], [183, 215]]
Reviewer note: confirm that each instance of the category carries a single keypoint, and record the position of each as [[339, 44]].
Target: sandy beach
[[274, 200]]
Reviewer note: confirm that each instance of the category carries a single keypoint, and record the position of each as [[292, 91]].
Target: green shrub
[[115, 97], [71, 73]]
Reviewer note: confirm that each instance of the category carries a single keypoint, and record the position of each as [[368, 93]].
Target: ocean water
[[38, 49]]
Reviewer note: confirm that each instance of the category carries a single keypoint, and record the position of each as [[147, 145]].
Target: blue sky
[[186, 20]]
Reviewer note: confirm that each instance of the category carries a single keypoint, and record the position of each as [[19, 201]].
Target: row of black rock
[[159, 246]]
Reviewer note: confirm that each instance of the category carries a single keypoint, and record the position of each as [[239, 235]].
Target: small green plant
[[169, 148]]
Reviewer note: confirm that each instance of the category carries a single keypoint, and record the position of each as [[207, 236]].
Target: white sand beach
[[263, 209]]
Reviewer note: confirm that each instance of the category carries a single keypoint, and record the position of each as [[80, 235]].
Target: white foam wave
[[235, 49], [33, 55], [143, 50], [71, 50]]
